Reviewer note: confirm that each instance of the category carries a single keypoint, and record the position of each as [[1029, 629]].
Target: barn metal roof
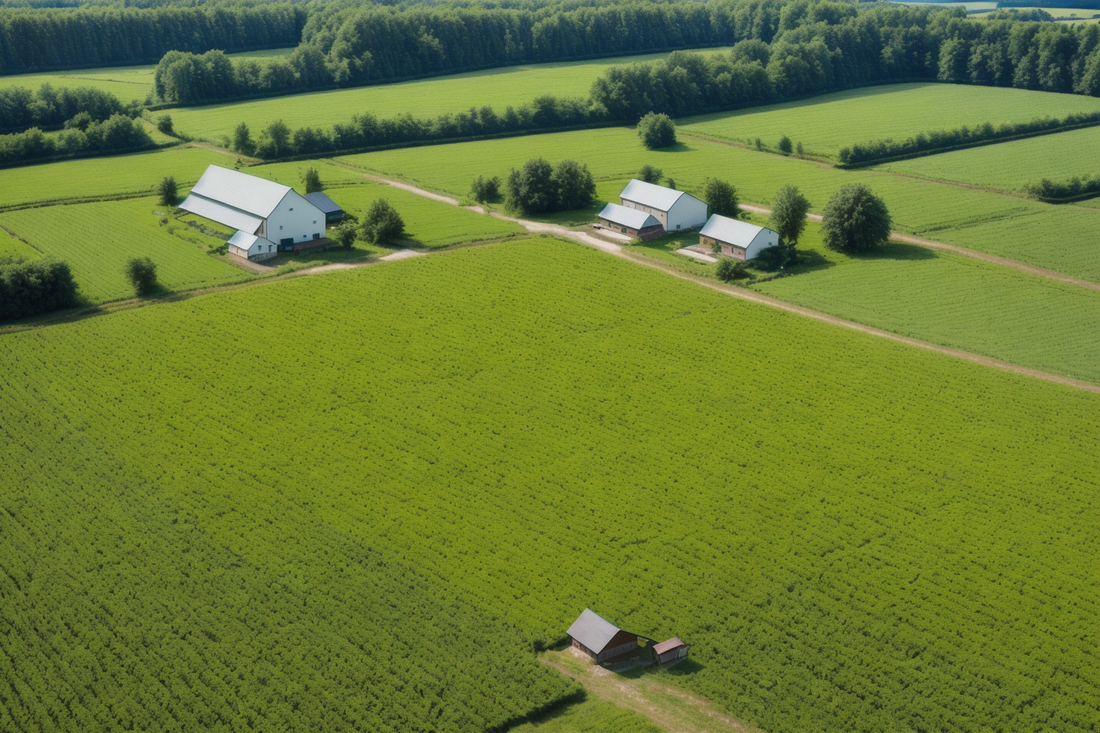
[[244, 240], [593, 631], [632, 218], [323, 202], [651, 195], [221, 213], [730, 231], [667, 646], [257, 196]]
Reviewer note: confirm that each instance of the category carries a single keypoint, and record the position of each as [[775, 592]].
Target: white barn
[[673, 209], [270, 217], [631, 222], [737, 238]]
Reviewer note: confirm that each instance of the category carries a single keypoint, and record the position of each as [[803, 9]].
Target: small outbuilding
[[600, 639], [737, 238], [328, 207], [670, 652], [631, 222], [251, 247], [675, 210]]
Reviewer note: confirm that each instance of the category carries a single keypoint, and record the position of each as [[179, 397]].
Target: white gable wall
[[764, 239], [295, 219], [259, 249], [687, 213], [661, 216]]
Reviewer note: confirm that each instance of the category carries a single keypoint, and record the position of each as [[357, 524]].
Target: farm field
[[1029, 231], [125, 82], [907, 541], [135, 173], [97, 240], [826, 123], [1011, 165], [497, 88]]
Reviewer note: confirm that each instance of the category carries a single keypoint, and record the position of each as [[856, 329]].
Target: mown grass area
[[1010, 166], [497, 88], [1029, 231], [133, 174], [97, 240], [829, 122], [309, 490]]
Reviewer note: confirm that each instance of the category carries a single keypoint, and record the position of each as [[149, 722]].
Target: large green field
[[356, 501], [497, 88], [97, 240], [826, 123], [1040, 234]]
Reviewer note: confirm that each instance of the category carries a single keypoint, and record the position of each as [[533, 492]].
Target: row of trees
[[1073, 188], [37, 40], [538, 187], [116, 134], [20, 108], [32, 288]]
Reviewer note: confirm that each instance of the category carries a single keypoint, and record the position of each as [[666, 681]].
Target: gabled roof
[[730, 231], [323, 202], [627, 217], [244, 240], [221, 213], [651, 195], [256, 196], [592, 631], [667, 646]]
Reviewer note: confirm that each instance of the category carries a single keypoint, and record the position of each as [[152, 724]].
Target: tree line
[[50, 38], [31, 288], [20, 108], [116, 134]]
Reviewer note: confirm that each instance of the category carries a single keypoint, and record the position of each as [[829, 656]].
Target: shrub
[[485, 189], [142, 273], [346, 234], [759, 144], [657, 131], [721, 197], [311, 179], [729, 269], [785, 145], [771, 259], [799, 150], [164, 124], [168, 192], [649, 174], [242, 140], [855, 220], [382, 223], [32, 288]]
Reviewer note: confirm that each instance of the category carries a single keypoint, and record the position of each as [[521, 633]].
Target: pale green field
[[827, 123], [97, 240], [125, 82], [1009, 226], [1009, 166], [498, 88]]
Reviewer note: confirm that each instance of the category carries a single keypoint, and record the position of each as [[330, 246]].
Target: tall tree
[[721, 198], [855, 220], [788, 217]]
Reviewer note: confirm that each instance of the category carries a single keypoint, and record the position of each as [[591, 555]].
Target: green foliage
[[785, 145], [311, 179], [275, 141], [574, 187], [382, 223], [539, 188], [485, 189], [650, 174], [118, 133], [346, 234], [855, 220], [799, 150], [1075, 187], [164, 124], [21, 109], [729, 269], [721, 198], [242, 140], [772, 259], [35, 287], [168, 191], [435, 481], [142, 274], [788, 217], [657, 131]]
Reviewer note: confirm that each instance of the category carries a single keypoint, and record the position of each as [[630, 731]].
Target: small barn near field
[[737, 238], [670, 652], [631, 222], [328, 207], [600, 639], [269, 217], [675, 210]]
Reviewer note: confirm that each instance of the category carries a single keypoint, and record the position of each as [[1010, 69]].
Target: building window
[[280, 227], [292, 208]]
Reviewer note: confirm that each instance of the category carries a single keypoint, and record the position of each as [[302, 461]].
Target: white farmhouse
[[270, 217], [673, 209], [737, 238]]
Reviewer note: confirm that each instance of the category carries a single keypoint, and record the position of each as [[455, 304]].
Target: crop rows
[[851, 534]]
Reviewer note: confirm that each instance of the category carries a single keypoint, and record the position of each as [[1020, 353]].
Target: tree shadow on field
[[897, 251]]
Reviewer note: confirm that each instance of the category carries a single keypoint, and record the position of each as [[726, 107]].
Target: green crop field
[[358, 501], [1011, 165], [1040, 234], [829, 122], [97, 240], [498, 88]]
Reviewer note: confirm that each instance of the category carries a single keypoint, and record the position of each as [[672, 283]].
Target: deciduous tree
[[855, 220]]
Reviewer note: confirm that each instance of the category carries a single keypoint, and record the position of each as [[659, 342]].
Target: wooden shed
[[600, 639], [670, 652]]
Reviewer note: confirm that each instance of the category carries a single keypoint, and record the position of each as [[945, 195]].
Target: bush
[[485, 189], [142, 273], [382, 223], [785, 145], [657, 131], [168, 191], [649, 174], [729, 269], [855, 220], [721, 197], [164, 124], [771, 259], [311, 179], [799, 150], [346, 234], [1072, 188], [32, 288]]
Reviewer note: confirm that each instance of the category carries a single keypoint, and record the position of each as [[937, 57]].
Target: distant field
[[1009, 166], [380, 489], [1029, 231], [498, 88], [97, 240], [125, 82], [829, 122]]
